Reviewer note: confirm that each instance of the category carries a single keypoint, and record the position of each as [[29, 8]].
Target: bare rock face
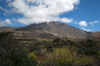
[[96, 34], [51, 30], [8, 28], [55, 29]]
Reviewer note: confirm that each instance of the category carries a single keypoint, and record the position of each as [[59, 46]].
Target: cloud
[[27, 21], [37, 11], [6, 9], [5, 22], [94, 22], [86, 24], [66, 20], [8, 21], [83, 24], [85, 29]]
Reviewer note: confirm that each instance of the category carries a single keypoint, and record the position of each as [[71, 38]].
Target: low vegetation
[[59, 52]]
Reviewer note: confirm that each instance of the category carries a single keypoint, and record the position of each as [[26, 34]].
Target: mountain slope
[[96, 34], [56, 29], [50, 30], [8, 28]]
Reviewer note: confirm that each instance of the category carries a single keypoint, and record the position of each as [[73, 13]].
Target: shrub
[[87, 47], [13, 53]]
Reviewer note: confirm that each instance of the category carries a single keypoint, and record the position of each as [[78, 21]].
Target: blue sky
[[83, 14]]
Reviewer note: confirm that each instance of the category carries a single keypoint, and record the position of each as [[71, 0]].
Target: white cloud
[[37, 11], [94, 22], [85, 29], [8, 21], [5, 22], [83, 23], [23, 21], [6, 11], [66, 20]]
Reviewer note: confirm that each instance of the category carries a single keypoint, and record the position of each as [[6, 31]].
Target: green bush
[[12, 52], [59, 52]]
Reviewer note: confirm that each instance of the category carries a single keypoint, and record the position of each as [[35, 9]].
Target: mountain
[[8, 28], [51, 30], [96, 34]]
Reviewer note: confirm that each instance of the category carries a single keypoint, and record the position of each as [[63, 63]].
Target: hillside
[[50, 30]]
